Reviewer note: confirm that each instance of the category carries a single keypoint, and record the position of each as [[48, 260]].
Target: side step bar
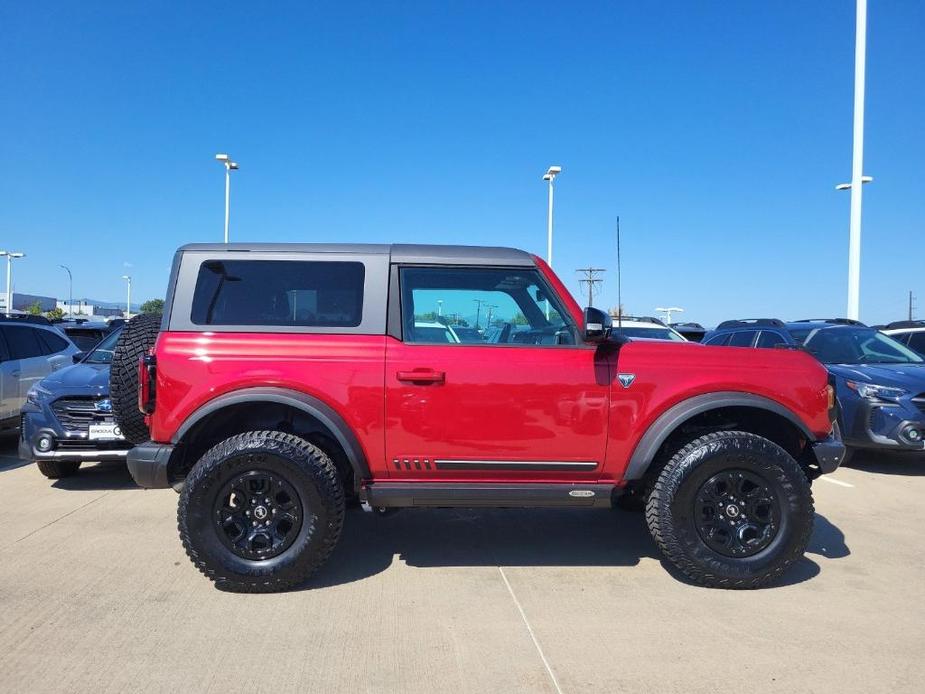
[[466, 495]]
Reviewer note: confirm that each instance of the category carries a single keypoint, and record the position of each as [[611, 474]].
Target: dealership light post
[[229, 167], [668, 311], [9, 277], [128, 301], [70, 290], [550, 176], [857, 164]]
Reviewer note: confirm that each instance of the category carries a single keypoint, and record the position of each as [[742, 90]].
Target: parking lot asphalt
[[97, 595]]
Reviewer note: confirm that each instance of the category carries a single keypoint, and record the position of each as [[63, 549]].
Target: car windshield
[[653, 333], [102, 353], [857, 346]]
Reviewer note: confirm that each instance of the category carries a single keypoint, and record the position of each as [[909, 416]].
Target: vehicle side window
[[51, 342], [719, 340], [742, 338], [22, 342], [482, 306], [770, 338], [279, 292], [917, 342]]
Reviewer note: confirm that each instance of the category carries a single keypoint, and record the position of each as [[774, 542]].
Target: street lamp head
[[127, 277], [221, 157], [233, 165], [847, 186], [552, 172]]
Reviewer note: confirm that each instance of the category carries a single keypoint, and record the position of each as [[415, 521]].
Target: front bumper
[[147, 464], [886, 425], [829, 452], [66, 446]]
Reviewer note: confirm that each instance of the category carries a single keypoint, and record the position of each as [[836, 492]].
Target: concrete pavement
[[97, 595]]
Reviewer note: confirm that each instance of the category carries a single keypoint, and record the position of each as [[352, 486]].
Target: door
[[28, 353], [9, 384], [490, 381]]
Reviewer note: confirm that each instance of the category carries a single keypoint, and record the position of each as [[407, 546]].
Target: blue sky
[[717, 132]]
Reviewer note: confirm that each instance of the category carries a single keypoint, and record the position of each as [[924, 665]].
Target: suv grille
[[77, 414]]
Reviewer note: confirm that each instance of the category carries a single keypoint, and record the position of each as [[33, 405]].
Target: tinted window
[[845, 345], [499, 306], [742, 338], [917, 342], [53, 343], [719, 340], [650, 333], [102, 353], [22, 342], [769, 338], [279, 292]]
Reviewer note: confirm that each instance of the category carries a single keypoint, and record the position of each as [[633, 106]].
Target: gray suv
[[28, 353]]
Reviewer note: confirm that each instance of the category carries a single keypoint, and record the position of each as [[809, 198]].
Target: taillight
[[147, 367]]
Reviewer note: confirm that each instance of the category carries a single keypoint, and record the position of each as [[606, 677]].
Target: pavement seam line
[[838, 482], [71, 512], [523, 615]]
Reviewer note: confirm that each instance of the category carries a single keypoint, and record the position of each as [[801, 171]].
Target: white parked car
[[645, 328], [909, 332], [29, 351]]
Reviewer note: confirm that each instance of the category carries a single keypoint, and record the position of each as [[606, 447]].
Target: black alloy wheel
[[258, 515], [737, 513]]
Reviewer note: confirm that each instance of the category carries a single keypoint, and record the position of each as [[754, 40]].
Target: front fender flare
[[675, 416]]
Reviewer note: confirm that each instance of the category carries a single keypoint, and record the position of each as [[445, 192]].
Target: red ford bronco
[[285, 380]]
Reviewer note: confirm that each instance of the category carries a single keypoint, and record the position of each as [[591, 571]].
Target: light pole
[[229, 167], [550, 176], [70, 290], [9, 277], [857, 164], [439, 307], [668, 311], [128, 301]]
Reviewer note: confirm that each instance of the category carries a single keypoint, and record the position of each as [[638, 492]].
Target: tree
[[56, 313], [35, 309], [153, 306], [520, 319]]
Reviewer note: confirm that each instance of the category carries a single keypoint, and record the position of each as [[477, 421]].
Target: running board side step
[[466, 495]]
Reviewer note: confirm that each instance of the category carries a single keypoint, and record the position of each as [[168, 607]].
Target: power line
[[591, 280]]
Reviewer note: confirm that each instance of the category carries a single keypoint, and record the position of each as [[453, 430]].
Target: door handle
[[14, 374], [421, 376]]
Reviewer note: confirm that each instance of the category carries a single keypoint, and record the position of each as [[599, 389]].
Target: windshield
[[102, 353], [650, 333], [858, 346]]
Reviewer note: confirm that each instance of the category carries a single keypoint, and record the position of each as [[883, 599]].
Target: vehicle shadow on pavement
[[484, 537], [499, 537], [101, 476], [9, 453], [888, 463]]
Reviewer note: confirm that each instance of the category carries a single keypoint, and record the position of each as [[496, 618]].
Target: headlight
[[874, 392], [36, 394]]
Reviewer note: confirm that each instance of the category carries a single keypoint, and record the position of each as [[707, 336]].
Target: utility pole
[[478, 310], [590, 279], [490, 308], [911, 306]]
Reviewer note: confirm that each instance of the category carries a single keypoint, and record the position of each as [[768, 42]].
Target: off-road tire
[[136, 340], [670, 510], [56, 469], [306, 468]]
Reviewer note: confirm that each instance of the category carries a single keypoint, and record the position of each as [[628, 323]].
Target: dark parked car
[[879, 382], [85, 334], [67, 417], [909, 332], [691, 331]]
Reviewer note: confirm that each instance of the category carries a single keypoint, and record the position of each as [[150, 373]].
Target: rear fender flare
[[312, 406]]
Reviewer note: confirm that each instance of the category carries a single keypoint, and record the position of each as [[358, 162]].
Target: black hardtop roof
[[399, 252]]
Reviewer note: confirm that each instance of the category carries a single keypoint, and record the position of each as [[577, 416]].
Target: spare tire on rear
[[136, 340]]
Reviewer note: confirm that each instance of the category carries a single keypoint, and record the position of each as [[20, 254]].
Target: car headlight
[[875, 392], [36, 394]]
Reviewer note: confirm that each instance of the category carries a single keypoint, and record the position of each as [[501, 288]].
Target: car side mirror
[[78, 357], [597, 325]]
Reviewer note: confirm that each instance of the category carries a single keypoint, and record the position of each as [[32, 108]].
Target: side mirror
[[78, 357], [597, 325]]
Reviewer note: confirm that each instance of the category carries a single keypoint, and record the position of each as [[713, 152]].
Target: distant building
[[92, 308], [23, 302]]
